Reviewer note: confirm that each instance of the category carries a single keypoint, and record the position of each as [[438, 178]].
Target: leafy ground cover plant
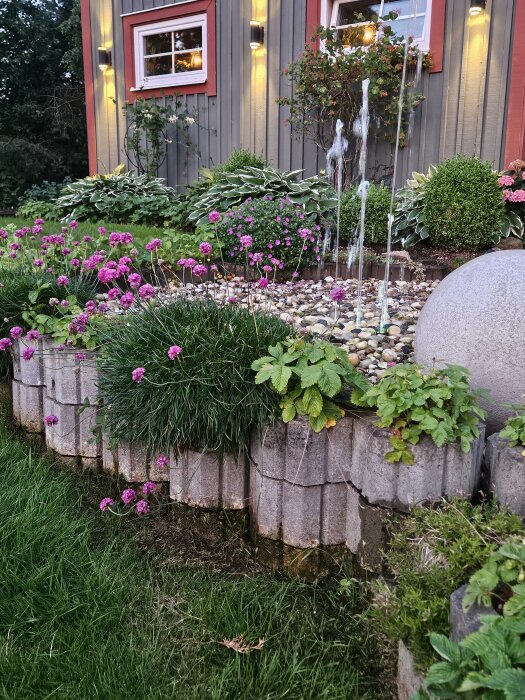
[[376, 218], [412, 403], [314, 194], [309, 376], [180, 376], [514, 428], [120, 197], [430, 554], [268, 234]]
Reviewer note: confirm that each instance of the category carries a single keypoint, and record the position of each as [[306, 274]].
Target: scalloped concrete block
[[464, 623], [506, 467], [365, 535], [268, 450], [70, 381], [73, 434], [436, 472], [31, 372], [131, 462], [209, 480], [409, 681], [266, 505], [28, 407], [301, 525]]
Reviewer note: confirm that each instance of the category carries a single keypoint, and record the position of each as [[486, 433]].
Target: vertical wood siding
[[464, 110]]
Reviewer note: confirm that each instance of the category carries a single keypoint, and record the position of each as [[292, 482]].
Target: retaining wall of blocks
[[28, 386], [131, 462], [506, 468]]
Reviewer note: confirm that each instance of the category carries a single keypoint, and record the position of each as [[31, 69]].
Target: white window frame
[[330, 8], [194, 77]]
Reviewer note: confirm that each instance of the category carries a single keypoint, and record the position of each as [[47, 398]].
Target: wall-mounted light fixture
[[477, 6], [104, 58], [256, 34]]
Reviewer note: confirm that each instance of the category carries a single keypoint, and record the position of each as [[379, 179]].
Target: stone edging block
[[464, 623], [73, 434], [131, 461], [506, 467], [70, 381], [409, 681], [29, 372], [28, 406]]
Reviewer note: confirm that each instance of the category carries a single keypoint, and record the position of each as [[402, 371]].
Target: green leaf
[[264, 374], [329, 380], [310, 375], [280, 375], [317, 422], [313, 401], [288, 412]]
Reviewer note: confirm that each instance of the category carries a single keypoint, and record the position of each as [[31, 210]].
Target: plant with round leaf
[[309, 376], [411, 403], [514, 428]]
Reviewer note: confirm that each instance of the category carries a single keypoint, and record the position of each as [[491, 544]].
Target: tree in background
[[42, 108]]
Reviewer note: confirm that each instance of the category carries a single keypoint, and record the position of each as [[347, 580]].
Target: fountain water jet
[[334, 173], [361, 131]]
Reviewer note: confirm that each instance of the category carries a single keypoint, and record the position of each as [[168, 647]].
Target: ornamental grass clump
[[179, 376]]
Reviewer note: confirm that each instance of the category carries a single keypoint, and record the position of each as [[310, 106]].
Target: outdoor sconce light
[[477, 6], [104, 58], [256, 34]]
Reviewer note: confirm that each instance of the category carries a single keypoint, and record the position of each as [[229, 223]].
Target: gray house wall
[[464, 110]]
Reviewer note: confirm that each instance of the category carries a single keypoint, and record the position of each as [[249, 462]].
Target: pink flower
[[214, 217], [205, 248], [246, 241], [51, 420], [174, 351], [80, 356], [5, 343], [101, 230], [517, 196], [142, 507], [146, 291], [200, 270], [63, 280], [114, 293], [38, 262], [262, 283], [148, 487], [33, 335], [28, 353], [138, 374], [338, 294], [126, 300], [134, 280], [128, 495], [74, 262], [189, 263], [73, 224], [39, 222], [162, 462], [505, 181], [106, 503], [16, 332], [154, 244]]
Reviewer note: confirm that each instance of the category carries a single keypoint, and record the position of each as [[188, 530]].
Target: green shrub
[[274, 226], [240, 158], [206, 398], [431, 553], [121, 198], [463, 205], [44, 191], [376, 217], [39, 209], [232, 189]]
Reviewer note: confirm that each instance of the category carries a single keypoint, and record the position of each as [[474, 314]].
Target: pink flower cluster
[[130, 498], [514, 196]]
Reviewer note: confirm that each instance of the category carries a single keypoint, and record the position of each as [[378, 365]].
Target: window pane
[[405, 7], [188, 39], [360, 35], [409, 27], [190, 61], [361, 10], [161, 65], [157, 43]]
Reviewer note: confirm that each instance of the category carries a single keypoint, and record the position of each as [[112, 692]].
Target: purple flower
[[126, 300], [64, 303], [262, 283], [91, 306], [65, 251], [143, 507], [28, 353], [33, 335], [134, 280], [62, 280], [205, 248], [200, 270], [232, 300], [338, 294], [154, 244], [87, 239], [73, 224], [80, 356], [148, 487], [106, 503], [246, 241], [146, 291], [74, 262], [5, 343], [214, 217], [106, 275], [189, 263], [39, 222], [138, 374], [174, 351], [162, 462], [38, 262], [114, 293], [16, 332], [128, 495], [51, 420]]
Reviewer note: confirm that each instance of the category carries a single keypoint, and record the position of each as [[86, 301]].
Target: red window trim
[[437, 29], [129, 23], [515, 133], [89, 86]]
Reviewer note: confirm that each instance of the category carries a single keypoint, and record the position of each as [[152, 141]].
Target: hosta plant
[[314, 194], [309, 376], [486, 665], [411, 403], [409, 219]]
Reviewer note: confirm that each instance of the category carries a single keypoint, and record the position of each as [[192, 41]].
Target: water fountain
[[334, 173], [361, 131]]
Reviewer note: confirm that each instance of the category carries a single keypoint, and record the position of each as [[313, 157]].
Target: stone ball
[[476, 318]]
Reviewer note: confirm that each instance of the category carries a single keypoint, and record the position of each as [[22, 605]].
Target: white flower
[[190, 120], [173, 119], [148, 115]]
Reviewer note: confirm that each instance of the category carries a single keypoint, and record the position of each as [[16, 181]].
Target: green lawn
[[89, 610], [141, 233]]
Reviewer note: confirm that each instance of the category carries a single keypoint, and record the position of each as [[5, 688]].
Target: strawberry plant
[[514, 429], [309, 376]]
